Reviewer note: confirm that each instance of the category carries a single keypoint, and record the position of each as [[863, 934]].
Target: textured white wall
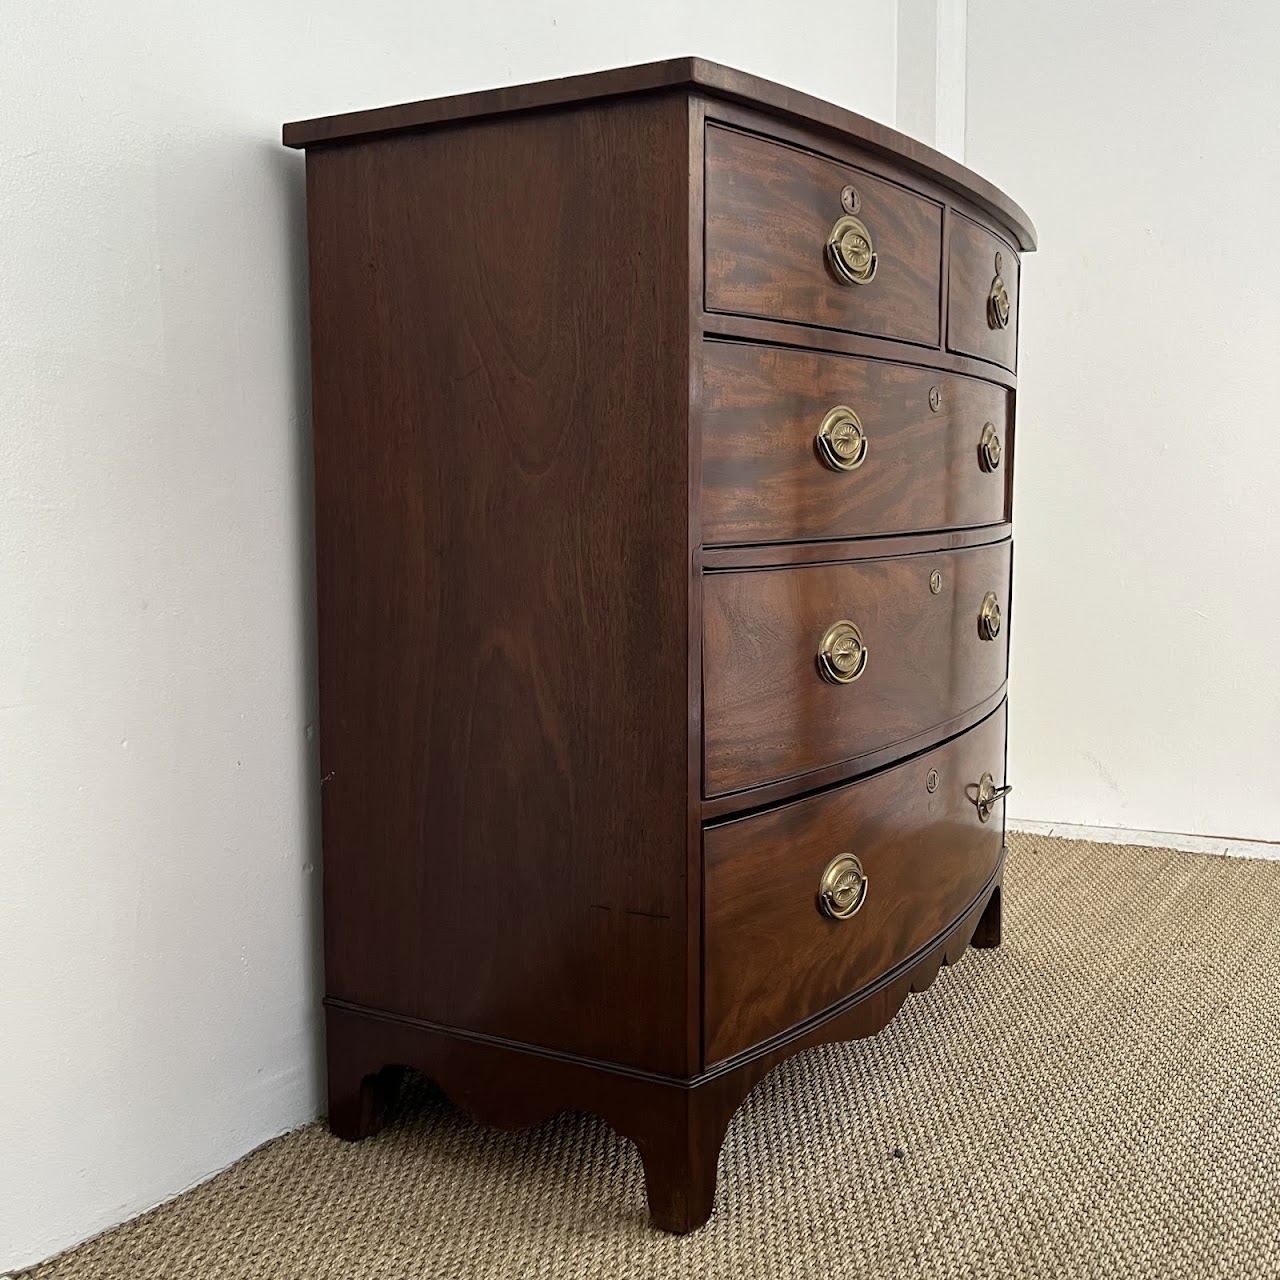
[[1142, 139], [931, 73], [158, 930]]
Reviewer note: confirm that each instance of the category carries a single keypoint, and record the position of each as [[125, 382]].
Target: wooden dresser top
[[698, 74]]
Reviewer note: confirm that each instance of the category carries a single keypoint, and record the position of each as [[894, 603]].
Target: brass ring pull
[[850, 251], [842, 657], [843, 888], [989, 617], [841, 441], [998, 301], [987, 795], [989, 449]]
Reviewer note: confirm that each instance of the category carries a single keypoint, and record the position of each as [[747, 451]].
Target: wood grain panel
[[769, 209], [771, 958], [712, 82], [504, 695], [971, 270], [762, 480], [767, 712]]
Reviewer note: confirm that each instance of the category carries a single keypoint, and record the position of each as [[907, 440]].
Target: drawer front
[[982, 295], [772, 958], [770, 211], [773, 707], [783, 462]]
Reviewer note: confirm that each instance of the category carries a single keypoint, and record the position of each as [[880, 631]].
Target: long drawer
[[809, 666], [776, 950], [799, 446]]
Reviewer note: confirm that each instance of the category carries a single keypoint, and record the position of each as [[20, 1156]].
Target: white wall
[[931, 73], [1143, 140], [158, 933]]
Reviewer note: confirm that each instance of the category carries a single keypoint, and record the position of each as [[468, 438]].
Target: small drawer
[[982, 295], [776, 951], [770, 213], [810, 666], [799, 446]]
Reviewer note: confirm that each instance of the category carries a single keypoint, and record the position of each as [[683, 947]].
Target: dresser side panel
[[500, 337]]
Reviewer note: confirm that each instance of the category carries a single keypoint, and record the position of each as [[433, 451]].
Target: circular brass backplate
[[843, 887], [850, 251], [998, 302], [935, 399], [989, 448], [841, 442], [935, 582], [842, 656], [989, 618]]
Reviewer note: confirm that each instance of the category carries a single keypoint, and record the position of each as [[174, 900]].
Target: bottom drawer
[[772, 956]]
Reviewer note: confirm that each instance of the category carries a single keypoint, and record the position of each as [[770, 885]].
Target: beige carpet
[[1101, 1097]]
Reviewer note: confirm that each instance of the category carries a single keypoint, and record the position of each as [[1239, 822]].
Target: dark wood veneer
[[973, 253], [766, 97], [763, 480], [769, 209], [574, 557], [501, 695], [770, 959], [768, 714]]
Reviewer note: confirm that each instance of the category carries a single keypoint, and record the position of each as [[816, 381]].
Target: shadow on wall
[[290, 170]]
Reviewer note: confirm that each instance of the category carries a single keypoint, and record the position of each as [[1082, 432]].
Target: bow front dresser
[[664, 427]]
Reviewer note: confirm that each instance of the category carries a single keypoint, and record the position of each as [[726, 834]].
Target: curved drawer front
[[772, 957], [770, 212], [982, 294], [913, 458], [918, 658]]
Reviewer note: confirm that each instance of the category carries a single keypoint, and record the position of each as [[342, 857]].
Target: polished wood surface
[[769, 210], [784, 789], [763, 481], [570, 346], [711, 82], [771, 958], [973, 252], [503, 701], [785, 333], [836, 550], [678, 1126], [768, 714]]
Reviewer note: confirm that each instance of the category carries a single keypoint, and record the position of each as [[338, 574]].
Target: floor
[[1098, 1098]]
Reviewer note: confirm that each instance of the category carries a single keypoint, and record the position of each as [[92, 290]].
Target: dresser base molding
[[678, 1126]]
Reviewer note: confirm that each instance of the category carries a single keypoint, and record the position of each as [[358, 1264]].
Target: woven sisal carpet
[[1098, 1098]]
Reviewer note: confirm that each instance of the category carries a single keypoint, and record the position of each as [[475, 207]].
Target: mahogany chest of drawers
[[664, 429]]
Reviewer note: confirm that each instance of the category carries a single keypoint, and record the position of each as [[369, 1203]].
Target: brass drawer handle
[[998, 300], [987, 795], [989, 448], [989, 617], [841, 441], [843, 888], [842, 657], [850, 251]]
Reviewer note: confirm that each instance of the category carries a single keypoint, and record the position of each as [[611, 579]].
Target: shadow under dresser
[[664, 427]]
